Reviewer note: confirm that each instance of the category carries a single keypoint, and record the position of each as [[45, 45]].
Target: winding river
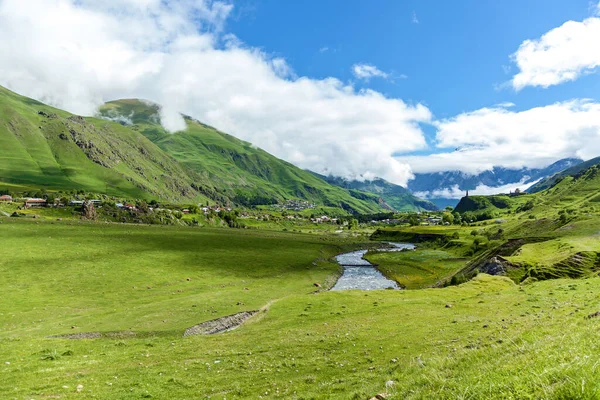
[[359, 274]]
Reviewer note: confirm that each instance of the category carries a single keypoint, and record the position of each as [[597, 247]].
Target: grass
[[417, 269], [140, 273], [459, 342], [54, 150]]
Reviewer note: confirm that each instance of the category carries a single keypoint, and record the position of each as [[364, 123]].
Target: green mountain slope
[[573, 187], [551, 234], [234, 169], [46, 147], [395, 196], [126, 152], [554, 179]]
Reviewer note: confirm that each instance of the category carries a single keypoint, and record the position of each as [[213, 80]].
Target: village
[[291, 214]]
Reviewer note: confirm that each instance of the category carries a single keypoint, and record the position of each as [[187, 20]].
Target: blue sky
[[454, 85], [454, 57]]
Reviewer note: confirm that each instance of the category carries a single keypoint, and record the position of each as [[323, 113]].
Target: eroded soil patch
[[96, 335], [219, 325]]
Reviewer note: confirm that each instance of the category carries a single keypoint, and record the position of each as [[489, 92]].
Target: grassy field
[[466, 341], [417, 269]]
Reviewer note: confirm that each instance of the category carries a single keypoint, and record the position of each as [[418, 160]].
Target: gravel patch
[[219, 325]]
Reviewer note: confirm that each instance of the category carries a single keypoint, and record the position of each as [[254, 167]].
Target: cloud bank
[[77, 54], [497, 136], [563, 54], [455, 192]]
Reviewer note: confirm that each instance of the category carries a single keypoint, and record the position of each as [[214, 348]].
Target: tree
[[449, 209], [447, 217], [194, 209], [353, 224], [457, 218], [413, 220], [143, 206]]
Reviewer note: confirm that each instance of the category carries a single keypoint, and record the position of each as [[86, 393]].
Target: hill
[[234, 169], [554, 179], [439, 186], [49, 148], [125, 152], [395, 196]]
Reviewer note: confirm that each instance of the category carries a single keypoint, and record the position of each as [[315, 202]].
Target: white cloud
[[497, 136], [323, 49], [563, 54], [414, 18], [76, 54], [455, 192], [368, 71]]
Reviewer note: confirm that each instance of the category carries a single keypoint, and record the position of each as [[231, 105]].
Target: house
[[35, 203], [76, 203], [6, 198], [517, 192], [185, 211], [433, 220]]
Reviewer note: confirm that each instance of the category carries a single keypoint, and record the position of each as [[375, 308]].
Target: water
[[359, 274], [399, 246]]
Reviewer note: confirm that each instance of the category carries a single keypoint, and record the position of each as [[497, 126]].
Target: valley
[[509, 285]]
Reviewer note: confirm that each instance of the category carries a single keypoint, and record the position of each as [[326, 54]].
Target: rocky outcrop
[[89, 211], [219, 325], [496, 266]]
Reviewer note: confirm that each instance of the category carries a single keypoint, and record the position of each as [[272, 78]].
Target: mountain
[[574, 188], [125, 152], [395, 196], [554, 179], [46, 147], [446, 188], [232, 169]]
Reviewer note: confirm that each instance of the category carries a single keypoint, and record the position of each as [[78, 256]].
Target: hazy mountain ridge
[[446, 188], [555, 178], [395, 196]]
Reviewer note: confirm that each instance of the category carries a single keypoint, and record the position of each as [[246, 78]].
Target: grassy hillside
[[150, 283], [394, 196], [490, 206], [235, 169], [547, 235], [554, 179], [45, 147]]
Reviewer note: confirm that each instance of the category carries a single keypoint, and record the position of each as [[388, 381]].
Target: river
[[359, 274]]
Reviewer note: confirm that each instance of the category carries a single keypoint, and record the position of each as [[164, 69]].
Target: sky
[[350, 88]]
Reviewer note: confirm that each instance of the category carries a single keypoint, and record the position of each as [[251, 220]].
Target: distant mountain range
[[395, 197], [552, 180], [446, 188]]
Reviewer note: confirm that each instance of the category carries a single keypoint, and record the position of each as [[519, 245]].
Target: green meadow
[[485, 338]]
